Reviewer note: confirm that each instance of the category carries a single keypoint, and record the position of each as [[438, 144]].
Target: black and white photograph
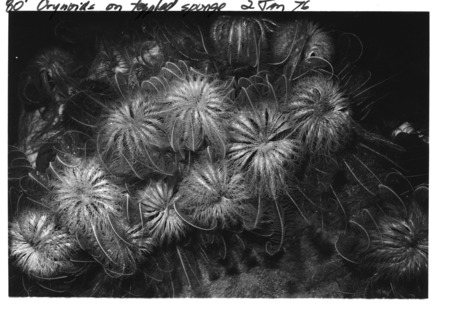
[[237, 154]]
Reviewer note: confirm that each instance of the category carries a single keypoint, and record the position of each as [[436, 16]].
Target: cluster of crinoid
[[154, 159]]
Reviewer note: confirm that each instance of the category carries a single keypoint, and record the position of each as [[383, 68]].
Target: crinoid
[[110, 65], [131, 137], [47, 83], [215, 195], [180, 40], [89, 204], [300, 46], [39, 246], [84, 196], [48, 79], [392, 246], [240, 42], [198, 108], [400, 255], [322, 113], [262, 148], [323, 110], [146, 58], [157, 202]]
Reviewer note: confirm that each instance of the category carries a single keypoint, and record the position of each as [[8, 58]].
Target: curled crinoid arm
[[156, 203], [39, 246], [240, 41], [261, 147], [159, 85], [131, 136], [19, 169], [198, 111], [146, 52], [322, 114], [83, 109], [259, 89], [63, 147], [348, 51], [115, 247], [215, 195], [300, 46], [172, 70]]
